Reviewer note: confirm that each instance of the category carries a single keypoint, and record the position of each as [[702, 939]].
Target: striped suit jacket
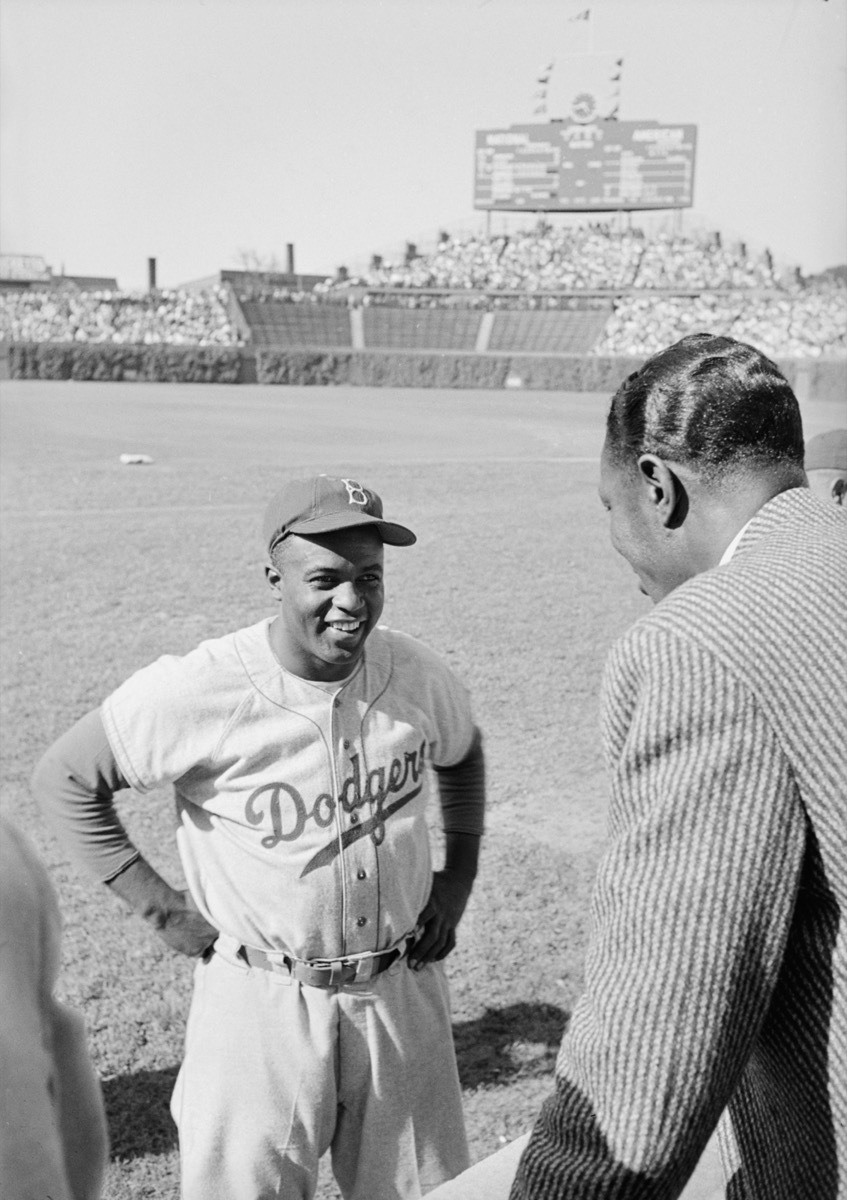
[[716, 975]]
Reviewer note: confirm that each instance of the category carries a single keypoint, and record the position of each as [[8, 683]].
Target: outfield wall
[[811, 378]]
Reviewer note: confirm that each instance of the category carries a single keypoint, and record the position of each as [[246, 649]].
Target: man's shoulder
[[410, 663], [208, 668], [405, 650]]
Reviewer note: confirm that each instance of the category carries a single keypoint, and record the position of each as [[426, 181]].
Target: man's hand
[[173, 914], [185, 929], [442, 914]]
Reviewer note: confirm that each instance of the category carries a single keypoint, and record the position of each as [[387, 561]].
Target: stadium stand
[[419, 329], [168, 317], [548, 332], [801, 324], [592, 256], [297, 325], [590, 289]]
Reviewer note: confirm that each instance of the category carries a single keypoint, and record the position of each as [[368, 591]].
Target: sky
[[195, 131]]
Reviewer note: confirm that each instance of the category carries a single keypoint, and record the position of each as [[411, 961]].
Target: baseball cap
[[827, 450], [323, 504]]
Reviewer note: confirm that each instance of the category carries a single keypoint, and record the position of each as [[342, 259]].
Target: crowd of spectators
[[175, 317], [731, 291], [591, 256], [807, 323], [752, 300]]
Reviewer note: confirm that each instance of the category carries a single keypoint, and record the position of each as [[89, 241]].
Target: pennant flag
[[581, 16]]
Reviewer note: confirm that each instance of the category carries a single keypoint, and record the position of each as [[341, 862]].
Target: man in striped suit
[[716, 975]]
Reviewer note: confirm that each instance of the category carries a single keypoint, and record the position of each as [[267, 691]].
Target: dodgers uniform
[[303, 836], [301, 751]]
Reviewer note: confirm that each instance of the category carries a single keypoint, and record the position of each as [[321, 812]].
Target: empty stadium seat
[[420, 329], [562, 332], [297, 326]]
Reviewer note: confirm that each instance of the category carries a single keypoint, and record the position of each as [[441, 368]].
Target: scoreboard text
[[565, 166]]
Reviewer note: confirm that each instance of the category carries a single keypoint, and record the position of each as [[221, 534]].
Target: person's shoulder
[[412, 665], [208, 664], [222, 651], [406, 651]]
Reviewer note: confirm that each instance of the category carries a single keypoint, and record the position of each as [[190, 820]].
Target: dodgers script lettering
[[288, 813]]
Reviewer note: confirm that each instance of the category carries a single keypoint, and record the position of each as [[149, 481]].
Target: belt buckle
[[338, 970], [364, 969], [352, 970]]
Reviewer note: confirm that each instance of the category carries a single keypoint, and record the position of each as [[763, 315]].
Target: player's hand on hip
[[440, 917], [171, 912], [186, 929]]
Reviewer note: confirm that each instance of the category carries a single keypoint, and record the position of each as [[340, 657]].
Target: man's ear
[[665, 490], [274, 578]]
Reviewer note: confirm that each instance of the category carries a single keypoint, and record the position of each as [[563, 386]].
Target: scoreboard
[[569, 166]]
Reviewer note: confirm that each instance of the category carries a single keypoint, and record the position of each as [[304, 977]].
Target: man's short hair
[[712, 404]]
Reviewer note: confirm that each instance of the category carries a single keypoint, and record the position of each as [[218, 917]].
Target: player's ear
[[838, 491], [665, 491], [274, 578]]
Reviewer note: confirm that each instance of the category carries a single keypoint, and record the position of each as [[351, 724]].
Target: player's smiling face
[[331, 596]]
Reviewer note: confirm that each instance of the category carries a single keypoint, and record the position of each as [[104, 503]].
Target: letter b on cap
[[355, 491]]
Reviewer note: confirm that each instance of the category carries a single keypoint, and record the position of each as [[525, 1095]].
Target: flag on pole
[[584, 15]]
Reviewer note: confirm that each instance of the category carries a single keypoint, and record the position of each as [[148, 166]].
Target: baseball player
[[301, 751]]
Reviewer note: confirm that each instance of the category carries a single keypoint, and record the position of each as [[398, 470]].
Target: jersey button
[[354, 818], [360, 921], [346, 743], [361, 873]]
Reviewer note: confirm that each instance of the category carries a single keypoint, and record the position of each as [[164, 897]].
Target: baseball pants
[[276, 1074]]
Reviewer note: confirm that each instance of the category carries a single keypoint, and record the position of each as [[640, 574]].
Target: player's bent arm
[[75, 783], [462, 794], [172, 913], [461, 790]]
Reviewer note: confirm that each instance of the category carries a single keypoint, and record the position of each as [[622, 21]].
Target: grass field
[[104, 567]]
